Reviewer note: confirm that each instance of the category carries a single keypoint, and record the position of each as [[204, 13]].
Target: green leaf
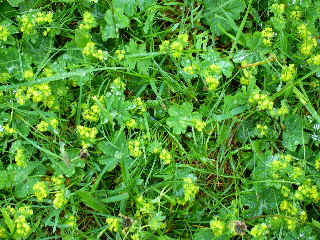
[[115, 20], [91, 201], [4, 183], [117, 198], [15, 3], [156, 221], [25, 188], [219, 12], [129, 6], [135, 57], [82, 37], [204, 234], [293, 134], [181, 116]]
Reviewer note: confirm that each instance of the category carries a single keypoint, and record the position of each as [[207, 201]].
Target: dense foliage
[[146, 119]]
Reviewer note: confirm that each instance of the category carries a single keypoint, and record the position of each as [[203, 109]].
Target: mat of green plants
[[161, 120]]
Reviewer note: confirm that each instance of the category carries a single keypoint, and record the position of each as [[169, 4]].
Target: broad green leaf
[[293, 134], [25, 188], [115, 20], [218, 12], [91, 201], [181, 116], [129, 6], [82, 37]]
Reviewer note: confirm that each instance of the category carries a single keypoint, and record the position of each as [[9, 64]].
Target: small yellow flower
[[113, 224], [165, 156], [28, 74], [20, 158], [59, 200], [131, 123], [217, 227], [199, 125], [259, 230], [4, 33], [120, 54], [40, 190], [212, 82], [23, 229], [134, 148]]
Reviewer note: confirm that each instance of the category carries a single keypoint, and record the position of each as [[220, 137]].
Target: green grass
[[159, 119]]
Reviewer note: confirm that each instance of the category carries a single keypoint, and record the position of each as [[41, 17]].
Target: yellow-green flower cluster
[[58, 181], [120, 54], [71, 221], [280, 165], [4, 33], [90, 50], [164, 46], [278, 9], [291, 223], [199, 124], [21, 225], [262, 100], [28, 74], [23, 228], [144, 207], [60, 199], [317, 164], [296, 13], [131, 123], [218, 227], [140, 106], [247, 75], [297, 172], [4, 77], [288, 207], [285, 191], [190, 189], [117, 85], [212, 82], [92, 114], [135, 148], [315, 60], [6, 130], [43, 126], [87, 135], [191, 69], [38, 93], [25, 211], [165, 156], [288, 73], [308, 191], [216, 69], [30, 21], [113, 224], [40, 190], [309, 42], [3, 233], [262, 129], [88, 21], [267, 35], [176, 47], [20, 158], [259, 230]]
